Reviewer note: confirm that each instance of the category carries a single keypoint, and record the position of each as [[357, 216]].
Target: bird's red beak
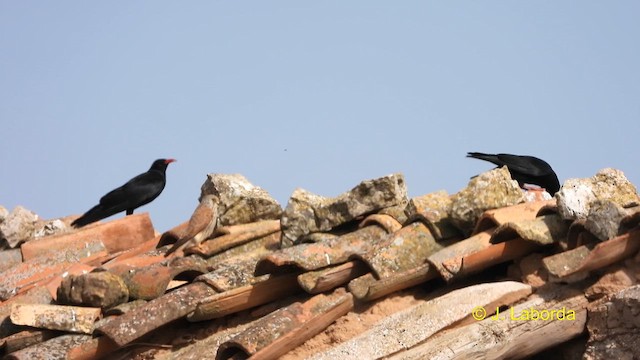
[[169, 161]]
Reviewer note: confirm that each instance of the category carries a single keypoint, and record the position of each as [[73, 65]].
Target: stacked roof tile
[[490, 271]]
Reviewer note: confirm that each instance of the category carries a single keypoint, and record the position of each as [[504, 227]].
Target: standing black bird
[[138, 191], [524, 169]]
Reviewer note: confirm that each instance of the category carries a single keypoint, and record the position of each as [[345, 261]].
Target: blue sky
[[318, 95]]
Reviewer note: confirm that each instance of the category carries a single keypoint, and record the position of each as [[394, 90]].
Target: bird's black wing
[[525, 164], [136, 192]]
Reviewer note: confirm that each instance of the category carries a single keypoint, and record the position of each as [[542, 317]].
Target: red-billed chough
[[524, 169], [138, 191]]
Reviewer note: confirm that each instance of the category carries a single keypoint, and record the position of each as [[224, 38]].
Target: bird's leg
[[129, 211]]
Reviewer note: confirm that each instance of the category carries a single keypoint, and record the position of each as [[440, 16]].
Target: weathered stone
[[490, 190], [3, 213], [18, 226], [604, 218], [614, 327], [241, 202], [50, 227], [98, 289], [576, 195], [307, 213], [433, 208]]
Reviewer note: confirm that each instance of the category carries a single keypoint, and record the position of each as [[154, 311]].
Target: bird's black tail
[[482, 156], [94, 214]]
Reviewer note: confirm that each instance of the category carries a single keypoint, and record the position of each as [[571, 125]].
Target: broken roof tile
[[284, 329], [307, 213], [55, 317], [157, 312], [117, 235]]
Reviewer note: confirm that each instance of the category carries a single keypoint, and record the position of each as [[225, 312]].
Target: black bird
[[524, 169], [138, 191]]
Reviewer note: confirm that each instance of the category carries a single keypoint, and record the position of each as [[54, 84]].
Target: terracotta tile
[[403, 250], [315, 282], [284, 329], [26, 338], [116, 235], [507, 338], [56, 348], [36, 295], [75, 269], [543, 230], [408, 328], [232, 236], [497, 217], [150, 282], [156, 313], [147, 249], [319, 255], [55, 317], [368, 287], [582, 260], [246, 297], [33, 271], [448, 261]]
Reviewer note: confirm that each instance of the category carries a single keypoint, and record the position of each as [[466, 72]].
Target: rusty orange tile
[[284, 329], [37, 295], [150, 282], [582, 259], [497, 217], [231, 236], [75, 269], [116, 235], [55, 317], [143, 249], [544, 230], [156, 313], [315, 256], [39, 269]]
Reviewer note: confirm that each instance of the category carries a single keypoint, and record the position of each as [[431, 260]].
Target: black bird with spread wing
[[524, 169], [138, 191]]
